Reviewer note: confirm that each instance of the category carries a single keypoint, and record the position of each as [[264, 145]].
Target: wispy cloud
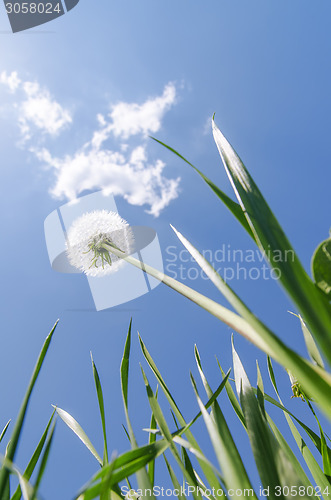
[[130, 118], [11, 81], [133, 177], [124, 171], [36, 108]]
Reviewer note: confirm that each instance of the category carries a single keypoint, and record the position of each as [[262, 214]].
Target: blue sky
[[168, 66]]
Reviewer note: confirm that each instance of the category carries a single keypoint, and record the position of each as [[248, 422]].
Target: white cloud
[[36, 107], [125, 172], [41, 110], [133, 177], [131, 118], [128, 119], [12, 81]]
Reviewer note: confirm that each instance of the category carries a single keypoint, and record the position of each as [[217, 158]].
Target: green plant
[[276, 463], [311, 299], [279, 469], [41, 453]]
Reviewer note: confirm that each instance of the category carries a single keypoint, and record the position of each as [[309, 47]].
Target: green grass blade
[[7, 490], [219, 491], [185, 460], [274, 466], [144, 453], [210, 401], [163, 426], [20, 419], [202, 485], [188, 470], [106, 488], [325, 455], [210, 475], [126, 433], [282, 442], [199, 485], [234, 207], [234, 472], [4, 430], [312, 435], [27, 489], [233, 400], [142, 475], [260, 389], [43, 462], [174, 480], [313, 378], [77, 429], [315, 470], [151, 440], [124, 466], [101, 409], [271, 239], [154, 451], [288, 450], [34, 459], [311, 346], [125, 368], [257, 332], [321, 267], [325, 452], [272, 374]]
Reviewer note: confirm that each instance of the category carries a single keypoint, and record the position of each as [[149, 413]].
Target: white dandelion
[[90, 240]]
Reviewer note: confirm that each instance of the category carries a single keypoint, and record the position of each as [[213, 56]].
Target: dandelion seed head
[[86, 241]]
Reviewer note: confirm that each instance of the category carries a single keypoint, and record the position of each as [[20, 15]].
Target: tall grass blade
[[271, 240], [106, 482], [77, 429], [312, 435], [234, 207], [151, 440], [325, 452], [210, 475], [312, 464], [34, 459], [4, 430], [260, 390], [311, 346], [258, 333], [275, 467], [101, 409], [124, 466], [4, 473], [142, 475], [232, 397], [288, 450], [163, 426], [43, 462], [234, 472], [321, 266], [174, 480], [27, 489], [282, 442]]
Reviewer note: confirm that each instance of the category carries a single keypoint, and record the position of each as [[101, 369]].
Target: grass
[[173, 440]]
